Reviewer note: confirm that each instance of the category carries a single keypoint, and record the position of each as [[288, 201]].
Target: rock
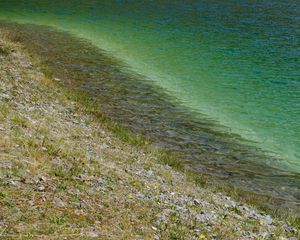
[[4, 96], [103, 146], [197, 202], [154, 228], [14, 183], [58, 202], [264, 235], [201, 217], [149, 173], [78, 212], [41, 188], [93, 234], [164, 218], [243, 208], [57, 161], [141, 196], [268, 220], [42, 178], [232, 203]]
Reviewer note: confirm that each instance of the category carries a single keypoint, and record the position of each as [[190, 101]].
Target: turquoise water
[[236, 62]]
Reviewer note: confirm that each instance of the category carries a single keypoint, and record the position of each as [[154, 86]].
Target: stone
[[268, 220], [197, 202], [41, 188], [14, 183], [59, 202], [154, 228], [93, 234], [141, 196]]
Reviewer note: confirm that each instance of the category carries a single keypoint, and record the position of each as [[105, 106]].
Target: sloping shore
[[136, 103], [66, 174]]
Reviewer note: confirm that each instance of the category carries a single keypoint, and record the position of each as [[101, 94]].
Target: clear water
[[234, 62]]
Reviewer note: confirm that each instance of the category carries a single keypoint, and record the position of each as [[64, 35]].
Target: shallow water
[[222, 77]]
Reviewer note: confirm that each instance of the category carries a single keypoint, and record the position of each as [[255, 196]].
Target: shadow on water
[[143, 108]]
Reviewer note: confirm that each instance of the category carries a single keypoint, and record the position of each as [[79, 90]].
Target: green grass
[[5, 50]]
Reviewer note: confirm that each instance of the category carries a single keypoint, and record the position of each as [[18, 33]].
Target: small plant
[[4, 110], [20, 121], [6, 50], [58, 219]]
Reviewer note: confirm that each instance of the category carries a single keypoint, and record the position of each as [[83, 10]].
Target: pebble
[[201, 217], [154, 228], [42, 178], [41, 188], [103, 146], [4, 96], [141, 196], [268, 220], [59, 202], [232, 203], [14, 183], [93, 234]]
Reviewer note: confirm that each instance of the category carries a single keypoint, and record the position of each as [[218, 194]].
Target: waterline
[[146, 109], [236, 66]]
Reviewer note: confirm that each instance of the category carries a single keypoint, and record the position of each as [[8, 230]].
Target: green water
[[237, 62]]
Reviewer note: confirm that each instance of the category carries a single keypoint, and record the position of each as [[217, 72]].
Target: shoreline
[[68, 171], [121, 96]]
